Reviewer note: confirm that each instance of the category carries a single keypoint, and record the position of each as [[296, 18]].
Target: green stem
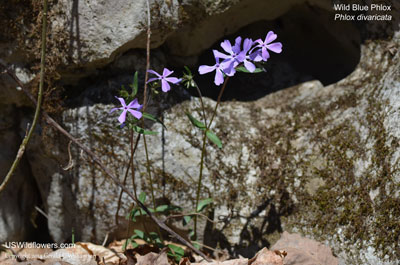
[[218, 101], [151, 182], [202, 103], [149, 171], [24, 143], [203, 150]]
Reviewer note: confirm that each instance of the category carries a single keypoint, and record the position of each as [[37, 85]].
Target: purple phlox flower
[[234, 57], [267, 45], [247, 44], [218, 68], [130, 107], [165, 80]]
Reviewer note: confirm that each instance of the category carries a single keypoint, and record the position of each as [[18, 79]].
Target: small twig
[[24, 143], [146, 78], [188, 214], [42, 212], [124, 182], [3, 247], [105, 240], [211, 248], [145, 102], [70, 162]]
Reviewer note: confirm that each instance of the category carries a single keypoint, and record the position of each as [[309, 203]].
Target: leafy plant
[[245, 56]]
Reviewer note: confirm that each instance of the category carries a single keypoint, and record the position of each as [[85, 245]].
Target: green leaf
[[142, 197], [143, 131], [244, 70], [155, 237], [203, 203], [162, 208], [195, 122], [134, 244], [174, 208], [135, 84], [196, 245], [140, 234], [186, 219], [126, 244], [176, 252], [152, 118], [214, 138], [135, 212], [191, 234], [140, 212], [124, 94], [188, 70]]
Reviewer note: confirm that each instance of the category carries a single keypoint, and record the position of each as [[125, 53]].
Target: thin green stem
[[203, 149], [149, 171], [202, 103], [151, 181], [24, 143], [218, 101]]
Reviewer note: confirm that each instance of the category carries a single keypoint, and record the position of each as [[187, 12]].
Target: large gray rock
[[320, 160], [101, 30], [87, 35]]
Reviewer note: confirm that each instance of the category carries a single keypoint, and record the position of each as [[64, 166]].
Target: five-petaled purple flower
[[234, 57], [165, 80], [130, 107], [218, 67], [267, 45]]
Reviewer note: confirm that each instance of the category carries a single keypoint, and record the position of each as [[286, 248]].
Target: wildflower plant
[[246, 56]]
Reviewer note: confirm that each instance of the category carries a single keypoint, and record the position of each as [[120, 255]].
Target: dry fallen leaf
[[265, 256], [283, 253], [184, 261], [153, 259], [76, 256], [23, 254], [241, 261], [105, 255]]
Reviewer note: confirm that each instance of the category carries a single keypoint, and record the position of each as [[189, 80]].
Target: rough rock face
[[321, 160], [20, 196], [100, 30]]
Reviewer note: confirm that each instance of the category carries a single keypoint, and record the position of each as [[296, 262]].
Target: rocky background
[[310, 146]]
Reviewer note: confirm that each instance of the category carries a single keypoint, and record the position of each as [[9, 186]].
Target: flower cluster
[[244, 53]]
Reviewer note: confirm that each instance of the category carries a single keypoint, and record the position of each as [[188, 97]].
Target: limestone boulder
[[318, 160]]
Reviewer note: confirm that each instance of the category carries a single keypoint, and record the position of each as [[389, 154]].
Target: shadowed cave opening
[[315, 47]]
